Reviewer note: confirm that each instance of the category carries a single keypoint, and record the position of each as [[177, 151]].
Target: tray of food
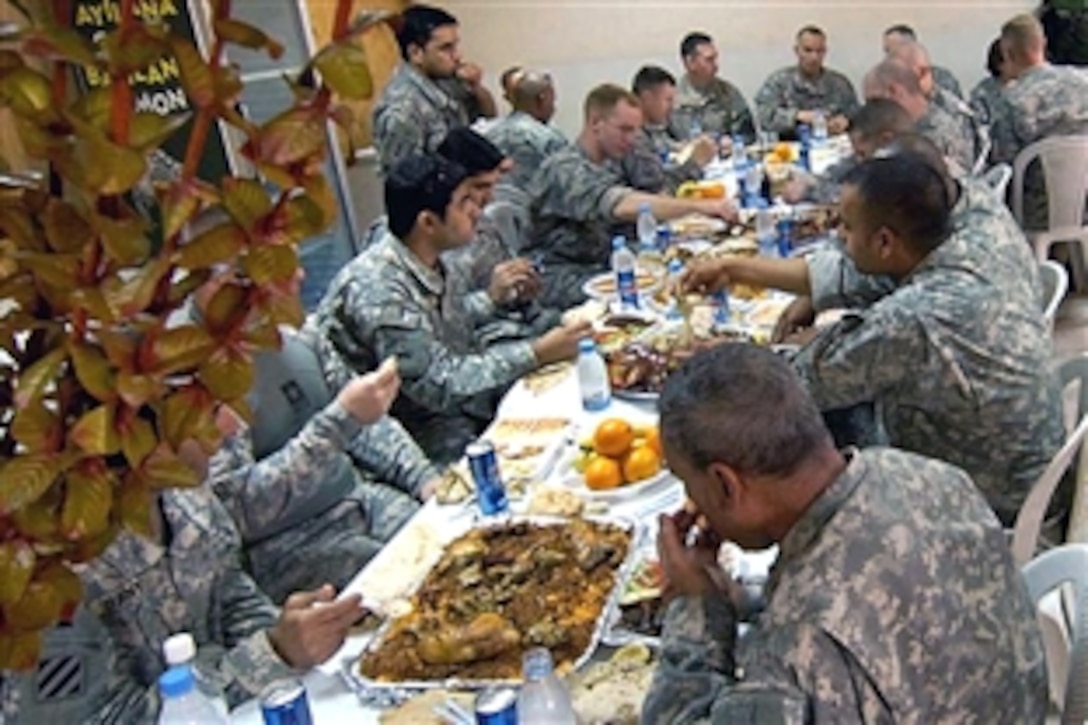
[[497, 591]]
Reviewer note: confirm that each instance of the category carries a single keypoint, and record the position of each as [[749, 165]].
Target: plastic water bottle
[[646, 228], [819, 128], [593, 377], [696, 129], [543, 699], [180, 651], [722, 314], [740, 151], [623, 266], [804, 135], [675, 270], [753, 184], [766, 233], [182, 703]]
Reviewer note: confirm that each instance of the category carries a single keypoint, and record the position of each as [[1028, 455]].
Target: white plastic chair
[[1064, 161], [997, 177], [1074, 380], [1044, 574], [1055, 284]]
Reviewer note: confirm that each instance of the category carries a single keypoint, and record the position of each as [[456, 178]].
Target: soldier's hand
[[798, 315], [513, 281], [470, 73], [368, 397], [718, 208], [838, 124], [312, 626], [560, 343], [704, 150], [806, 117], [707, 276], [725, 144], [686, 568]]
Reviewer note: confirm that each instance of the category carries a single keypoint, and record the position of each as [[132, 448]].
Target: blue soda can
[[497, 706], [284, 703], [722, 313], [484, 465]]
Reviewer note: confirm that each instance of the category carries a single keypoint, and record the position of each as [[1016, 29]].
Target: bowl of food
[[619, 460]]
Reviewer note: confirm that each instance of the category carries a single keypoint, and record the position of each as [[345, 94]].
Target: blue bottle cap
[[619, 241], [587, 344], [176, 681]]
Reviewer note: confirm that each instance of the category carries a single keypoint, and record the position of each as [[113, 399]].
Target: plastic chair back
[[1055, 284], [1050, 570], [1064, 160], [997, 177]]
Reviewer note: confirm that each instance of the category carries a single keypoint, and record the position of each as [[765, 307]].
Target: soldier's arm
[[835, 282], [643, 170], [847, 97], [863, 355], [772, 106], [259, 493], [387, 451], [743, 123], [433, 375], [677, 174]]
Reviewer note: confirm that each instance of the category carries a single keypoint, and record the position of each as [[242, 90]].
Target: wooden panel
[[380, 45]]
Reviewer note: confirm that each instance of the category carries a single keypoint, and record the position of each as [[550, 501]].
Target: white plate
[[576, 482], [589, 288]]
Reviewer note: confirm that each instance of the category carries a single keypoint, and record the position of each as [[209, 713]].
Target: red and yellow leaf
[[88, 497], [344, 69], [227, 373], [218, 245], [181, 348], [25, 479], [93, 372], [16, 568], [95, 432], [34, 380]]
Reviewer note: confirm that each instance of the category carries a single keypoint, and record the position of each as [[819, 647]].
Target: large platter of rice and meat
[[497, 592]]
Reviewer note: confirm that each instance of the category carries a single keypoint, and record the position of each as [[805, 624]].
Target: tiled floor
[[1071, 326]]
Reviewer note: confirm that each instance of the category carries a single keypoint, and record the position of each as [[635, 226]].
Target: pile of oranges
[[619, 453]]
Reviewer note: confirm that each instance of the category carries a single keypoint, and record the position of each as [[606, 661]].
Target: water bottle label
[[627, 287]]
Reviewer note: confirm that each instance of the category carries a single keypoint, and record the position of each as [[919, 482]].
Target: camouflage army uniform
[[387, 302], [972, 126], [527, 141], [929, 622], [786, 92], [648, 167], [413, 116], [945, 79], [992, 109], [572, 199], [827, 187], [720, 110], [957, 356], [1045, 101], [949, 135], [142, 591]]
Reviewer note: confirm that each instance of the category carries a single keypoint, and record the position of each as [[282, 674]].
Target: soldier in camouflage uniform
[[398, 299], [306, 514], [872, 127], [578, 200], [916, 57], [899, 35], [792, 96], [653, 166], [989, 103], [525, 135], [894, 597], [431, 91], [1044, 101], [954, 349], [895, 80], [706, 103], [187, 577]]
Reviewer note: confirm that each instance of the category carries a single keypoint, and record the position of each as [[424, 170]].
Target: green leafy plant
[[98, 392]]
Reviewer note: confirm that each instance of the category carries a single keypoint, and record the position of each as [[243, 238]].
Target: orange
[[712, 191], [613, 437], [642, 462], [603, 473], [653, 440]]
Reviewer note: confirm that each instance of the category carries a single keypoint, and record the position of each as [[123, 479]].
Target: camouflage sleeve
[[862, 355], [397, 135], [773, 105], [386, 450], [642, 169], [743, 123], [578, 191], [480, 306], [434, 375], [835, 282], [697, 659], [260, 493], [844, 98]]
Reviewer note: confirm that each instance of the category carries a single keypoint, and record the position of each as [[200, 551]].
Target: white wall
[[585, 42]]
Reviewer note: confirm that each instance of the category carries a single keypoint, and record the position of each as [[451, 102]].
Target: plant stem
[[120, 91], [341, 18], [205, 116]]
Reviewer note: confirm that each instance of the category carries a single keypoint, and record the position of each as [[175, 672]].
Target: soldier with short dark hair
[[894, 596]]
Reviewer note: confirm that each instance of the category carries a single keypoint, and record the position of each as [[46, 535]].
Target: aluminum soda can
[[484, 465], [284, 703], [497, 706]]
